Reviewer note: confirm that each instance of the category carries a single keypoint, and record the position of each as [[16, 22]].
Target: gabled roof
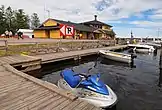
[[80, 27], [109, 32], [96, 22], [47, 27]]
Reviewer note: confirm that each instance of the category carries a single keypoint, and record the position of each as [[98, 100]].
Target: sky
[[142, 17]]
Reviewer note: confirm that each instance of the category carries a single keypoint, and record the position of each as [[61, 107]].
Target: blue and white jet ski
[[88, 88]]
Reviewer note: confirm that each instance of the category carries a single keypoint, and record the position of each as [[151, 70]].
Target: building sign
[[66, 30]]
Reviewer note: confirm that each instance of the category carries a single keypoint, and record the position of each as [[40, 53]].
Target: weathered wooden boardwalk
[[19, 91], [47, 58], [27, 63]]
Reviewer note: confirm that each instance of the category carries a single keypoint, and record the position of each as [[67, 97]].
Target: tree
[[9, 14], [35, 22], [3, 24], [22, 20]]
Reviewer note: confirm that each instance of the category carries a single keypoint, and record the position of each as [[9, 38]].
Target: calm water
[[137, 88]]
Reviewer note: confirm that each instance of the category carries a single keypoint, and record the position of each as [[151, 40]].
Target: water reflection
[[160, 78], [111, 62], [160, 69]]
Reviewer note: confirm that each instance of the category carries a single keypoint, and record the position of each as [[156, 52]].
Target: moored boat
[[142, 48], [116, 56]]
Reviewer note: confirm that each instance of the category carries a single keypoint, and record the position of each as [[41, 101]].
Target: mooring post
[[155, 52], [6, 45], [71, 45], [132, 60], [160, 67], [36, 44], [160, 60]]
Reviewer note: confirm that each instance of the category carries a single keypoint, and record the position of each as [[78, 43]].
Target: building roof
[[47, 27], [79, 27], [96, 22], [109, 32]]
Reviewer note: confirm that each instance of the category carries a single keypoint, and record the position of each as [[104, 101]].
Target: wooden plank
[[4, 61], [72, 105], [19, 58], [32, 97], [88, 107], [11, 95], [32, 101], [9, 82], [39, 102], [8, 92], [15, 86], [13, 98], [3, 73], [45, 105], [55, 103], [10, 59], [80, 106], [14, 58], [62, 105], [2, 69], [44, 84]]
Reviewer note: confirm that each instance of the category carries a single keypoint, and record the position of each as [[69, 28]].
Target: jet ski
[[88, 88]]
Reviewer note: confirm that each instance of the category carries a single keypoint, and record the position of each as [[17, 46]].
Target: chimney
[[95, 17]]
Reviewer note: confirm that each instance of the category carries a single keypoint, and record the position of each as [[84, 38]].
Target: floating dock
[[48, 58], [20, 91]]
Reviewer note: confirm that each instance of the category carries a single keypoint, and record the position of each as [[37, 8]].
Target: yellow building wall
[[84, 35], [50, 23], [55, 34], [105, 27], [40, 34]]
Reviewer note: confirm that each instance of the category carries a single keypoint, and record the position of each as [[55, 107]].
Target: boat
[[142, 48], [116, 56], [88, 88]]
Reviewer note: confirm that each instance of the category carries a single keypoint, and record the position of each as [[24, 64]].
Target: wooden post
[[71, 45], [36, 44], [82, 45], [6, 45], [160, 68], [160, 60]]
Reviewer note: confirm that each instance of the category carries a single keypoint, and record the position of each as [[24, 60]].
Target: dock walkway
[[47, 58], [19, 91]]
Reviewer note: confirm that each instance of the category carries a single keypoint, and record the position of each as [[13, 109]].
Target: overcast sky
[[143, 17]]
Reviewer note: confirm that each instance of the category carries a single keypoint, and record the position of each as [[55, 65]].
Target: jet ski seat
[[69, 77]]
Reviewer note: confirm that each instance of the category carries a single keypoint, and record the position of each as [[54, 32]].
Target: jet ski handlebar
[[81, 74]]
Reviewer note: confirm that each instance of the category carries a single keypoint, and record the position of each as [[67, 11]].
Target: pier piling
[[160, 68]]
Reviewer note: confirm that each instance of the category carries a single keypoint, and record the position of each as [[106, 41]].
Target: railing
[[33, 48]]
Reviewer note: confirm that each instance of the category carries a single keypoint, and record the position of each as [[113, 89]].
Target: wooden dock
[[19, 91], [23, 62], [48, 58]]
